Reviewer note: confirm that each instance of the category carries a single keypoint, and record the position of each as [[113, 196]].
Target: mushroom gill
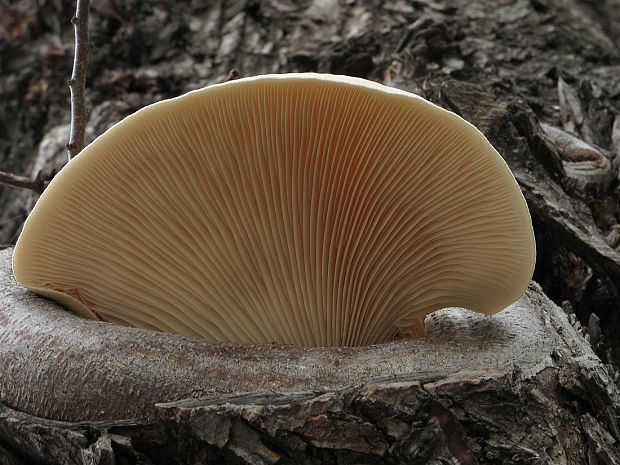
[[305, 209]]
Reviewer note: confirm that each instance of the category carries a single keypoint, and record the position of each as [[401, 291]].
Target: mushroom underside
[[300, 209]]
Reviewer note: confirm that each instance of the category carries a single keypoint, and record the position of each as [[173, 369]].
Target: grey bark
[[519, 387], [58, 365]]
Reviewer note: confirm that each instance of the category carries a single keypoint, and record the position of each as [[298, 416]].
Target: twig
[[232, 75], [35, 184], [77, 82]]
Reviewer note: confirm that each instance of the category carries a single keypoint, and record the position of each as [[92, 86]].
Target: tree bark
[[522, 386], [60, 366]]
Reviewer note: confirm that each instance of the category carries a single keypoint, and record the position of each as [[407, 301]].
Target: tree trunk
[[539, 78]]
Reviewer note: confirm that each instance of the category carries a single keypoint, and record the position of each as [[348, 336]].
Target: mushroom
[[305, 209]]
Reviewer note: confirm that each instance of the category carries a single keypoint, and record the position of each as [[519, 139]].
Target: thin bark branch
[[77, 82], [232, 75], [35, 184]]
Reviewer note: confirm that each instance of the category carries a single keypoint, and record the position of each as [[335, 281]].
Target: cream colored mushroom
[[305, 209]]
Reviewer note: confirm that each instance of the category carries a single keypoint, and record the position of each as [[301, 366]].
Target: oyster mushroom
[[305, 209]]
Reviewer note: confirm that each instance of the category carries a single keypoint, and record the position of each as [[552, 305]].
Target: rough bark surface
[[538, 77], [58, 365], [520, 387]]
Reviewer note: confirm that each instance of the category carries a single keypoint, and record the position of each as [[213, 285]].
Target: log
[[522, 386]]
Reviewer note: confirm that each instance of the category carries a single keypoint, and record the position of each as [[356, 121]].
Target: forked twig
[[35, 184]]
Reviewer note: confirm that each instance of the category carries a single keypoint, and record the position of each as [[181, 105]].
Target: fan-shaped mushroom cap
[[302, 208]]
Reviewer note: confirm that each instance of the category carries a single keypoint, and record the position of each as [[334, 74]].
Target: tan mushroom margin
[[305, 209]]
